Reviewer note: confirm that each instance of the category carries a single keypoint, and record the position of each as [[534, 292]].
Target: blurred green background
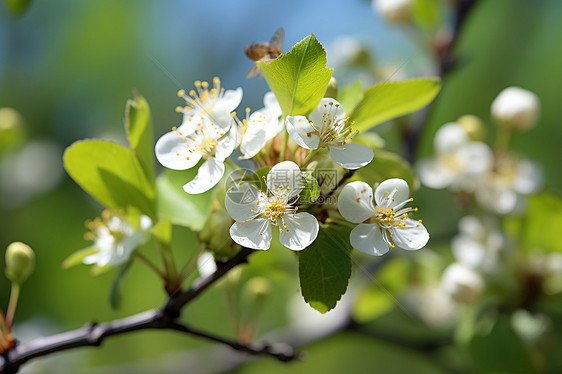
[[68, 68]]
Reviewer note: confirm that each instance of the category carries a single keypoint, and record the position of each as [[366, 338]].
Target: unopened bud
[[258, 288], [20, 262], [332, 89], [463, 284], [473, 126], [393, 11], [516, 108]]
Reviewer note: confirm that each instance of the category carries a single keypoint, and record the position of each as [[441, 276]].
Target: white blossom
[[516, 108], [115, 239], [256, 211], [327, 126], [457, 160], [393, 11], [462, 283], [209, 141], [385, 224]]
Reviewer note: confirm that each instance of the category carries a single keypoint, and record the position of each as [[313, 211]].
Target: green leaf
[[138, 126], [299, 77], [351, 95], [386, 100], [17, 7], [111, 173], [115, 291], [258, 178], [77, 257], [182, 208], [162, 231], [311, 190], [386, 165], [325, 268]]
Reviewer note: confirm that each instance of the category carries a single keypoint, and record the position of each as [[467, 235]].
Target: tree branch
[[165, 319]]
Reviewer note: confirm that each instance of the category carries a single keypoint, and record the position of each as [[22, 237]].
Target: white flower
[[478, 243], [255, 211], [516, 108], [385, 224], [206, 264], [502, 189], [462, 283], [115, 239], [457, 160], [327, 126], [211, 142], [260, 127], [393, 11], [214, 103]]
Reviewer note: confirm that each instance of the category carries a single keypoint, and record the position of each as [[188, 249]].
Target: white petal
[[351, 156], [468, 251], [302, 132], [253, 141], [285, 179], [226, 145], [528, 177], [355, 202], [368, 239], [231, 99], [244, 202], [435, 174], [209, 174], [172, 151], [300, 231], [255, 234], [271, 104], [325, 112], [462, 283], [474, 158], [392, 192], [206, 264], [413, 236], [449, 138], [145, 223]]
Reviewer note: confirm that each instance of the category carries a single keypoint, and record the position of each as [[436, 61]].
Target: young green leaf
[[325, 268], [77, 257], [115, 291], [138, 126], [111, 173], [387, 100], [351, 95], [386, 165], [299, 77]]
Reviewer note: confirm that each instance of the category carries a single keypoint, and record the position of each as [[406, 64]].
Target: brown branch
[[165, 319]]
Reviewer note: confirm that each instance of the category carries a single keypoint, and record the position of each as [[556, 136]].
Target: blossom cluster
[[211, 132]]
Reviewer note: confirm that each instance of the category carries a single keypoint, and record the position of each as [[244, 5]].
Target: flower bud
[[332, 89], [473, 126], [463, 284], [257, 288], [516, 108], [20, 262], [393, 11]]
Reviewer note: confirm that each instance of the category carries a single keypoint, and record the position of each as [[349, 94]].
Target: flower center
[[275, 209], [393, 218], [202, 97], [334, 131], [207, 147]]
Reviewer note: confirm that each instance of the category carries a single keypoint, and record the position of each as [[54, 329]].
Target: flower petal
[[271, 104], [449, 138], [528, 177], [351, 156], [206, 264], [300, 231], [474, 158], [392, 192], [325, 112], [468, 251], [226, 145], [244, 202], [368, 239], [255, 234], [209, 174], [413, 236], [253, 141], [285, 179], [231, 99], [355, 202], [435, 174], [172, 151], [302, 132]]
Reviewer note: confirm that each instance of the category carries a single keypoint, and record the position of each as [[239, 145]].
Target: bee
[[266, 51]]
